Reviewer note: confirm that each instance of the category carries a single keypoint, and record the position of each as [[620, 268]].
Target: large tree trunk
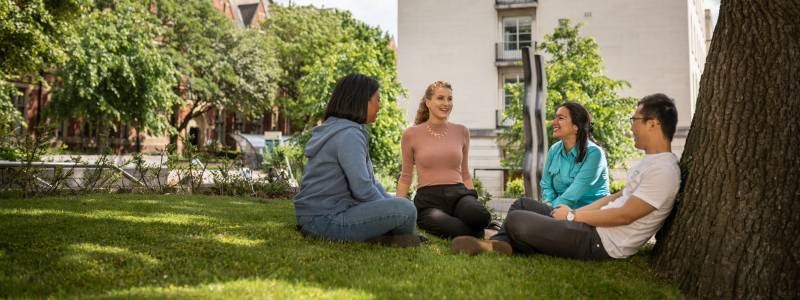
[[735, 232]]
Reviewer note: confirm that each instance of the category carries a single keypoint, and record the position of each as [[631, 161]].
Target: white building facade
[[656, 45]]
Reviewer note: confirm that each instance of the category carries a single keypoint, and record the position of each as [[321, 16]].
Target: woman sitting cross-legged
[[575, 173], [446, 200], [340, 198]]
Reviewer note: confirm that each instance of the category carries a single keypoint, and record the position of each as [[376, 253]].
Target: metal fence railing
[[506, 2], [41, 177]]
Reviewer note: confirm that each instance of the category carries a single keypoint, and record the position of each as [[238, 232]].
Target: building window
[[220, 127], [507, 97], [238, 124], [517, 32], [509, 79], [20, 102]]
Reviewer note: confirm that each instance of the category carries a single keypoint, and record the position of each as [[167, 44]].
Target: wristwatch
[[571, 215]]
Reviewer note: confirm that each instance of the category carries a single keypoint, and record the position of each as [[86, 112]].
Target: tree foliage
[[302, 35], [30, 35], [317, 47], [148, 63], [218, 66], [575, 73], [194, 38], [115, 72], [256, 68]]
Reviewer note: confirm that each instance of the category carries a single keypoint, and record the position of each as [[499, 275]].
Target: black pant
[[450, 210], [530, 229]]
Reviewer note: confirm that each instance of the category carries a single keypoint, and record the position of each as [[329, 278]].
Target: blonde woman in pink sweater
[[446, 201]]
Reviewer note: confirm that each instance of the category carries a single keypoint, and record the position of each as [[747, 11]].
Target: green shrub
[[388, 181], [515, 188], [284, 160], [616, 186], [229, 181], [484, 197]]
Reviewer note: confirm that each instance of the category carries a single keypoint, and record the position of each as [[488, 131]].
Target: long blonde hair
[[422, 112]]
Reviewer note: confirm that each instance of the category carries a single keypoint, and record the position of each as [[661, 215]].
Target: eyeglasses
[[633, 119]]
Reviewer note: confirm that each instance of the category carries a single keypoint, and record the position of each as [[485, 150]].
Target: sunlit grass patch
[[237, 240], [178, 246], [246, 288]]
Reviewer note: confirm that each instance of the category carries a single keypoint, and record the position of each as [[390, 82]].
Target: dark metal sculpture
[[533, 115]]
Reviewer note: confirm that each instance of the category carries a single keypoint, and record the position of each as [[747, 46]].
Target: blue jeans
[[367, 220]]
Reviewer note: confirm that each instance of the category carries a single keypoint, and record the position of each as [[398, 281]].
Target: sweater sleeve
[[406, 172], [465, 156], [352, 155]]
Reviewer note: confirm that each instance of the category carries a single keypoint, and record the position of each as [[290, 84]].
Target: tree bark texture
[[734, 232]]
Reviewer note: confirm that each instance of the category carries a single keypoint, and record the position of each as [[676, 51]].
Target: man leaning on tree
[[612, 227]]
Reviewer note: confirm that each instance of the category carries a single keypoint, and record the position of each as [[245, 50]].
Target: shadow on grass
[[145, 246]]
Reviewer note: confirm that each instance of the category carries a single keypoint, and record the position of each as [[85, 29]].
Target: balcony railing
[[510, 52], [514, 1]]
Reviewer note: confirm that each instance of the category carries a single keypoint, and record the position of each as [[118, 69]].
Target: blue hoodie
[[339, 172]]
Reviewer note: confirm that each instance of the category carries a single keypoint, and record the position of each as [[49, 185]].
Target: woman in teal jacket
[[576, 172]]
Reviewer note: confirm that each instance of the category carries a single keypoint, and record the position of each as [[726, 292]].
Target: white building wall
[[448, 40]]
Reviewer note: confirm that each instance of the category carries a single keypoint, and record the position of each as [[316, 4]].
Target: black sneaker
[[423, 239], [494, 225]]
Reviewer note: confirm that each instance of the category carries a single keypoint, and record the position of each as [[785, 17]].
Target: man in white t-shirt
[[612, 227]]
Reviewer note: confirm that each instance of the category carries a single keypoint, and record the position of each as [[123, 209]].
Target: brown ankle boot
[[472, 246], [501, 247]]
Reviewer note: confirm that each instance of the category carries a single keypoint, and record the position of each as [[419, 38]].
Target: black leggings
[[451, 210], [530, 229]]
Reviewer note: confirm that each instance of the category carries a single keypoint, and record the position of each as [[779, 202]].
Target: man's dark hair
[[350, 97], [662, 108]]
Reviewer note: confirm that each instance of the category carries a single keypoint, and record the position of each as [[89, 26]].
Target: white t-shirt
[[656, 180]]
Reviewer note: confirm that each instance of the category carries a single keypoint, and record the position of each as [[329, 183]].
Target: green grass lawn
[[178, 246]]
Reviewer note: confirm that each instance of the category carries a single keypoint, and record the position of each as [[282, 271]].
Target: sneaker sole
[[472, 246]]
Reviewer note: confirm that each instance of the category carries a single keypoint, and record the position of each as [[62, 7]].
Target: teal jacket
[[574, 184]]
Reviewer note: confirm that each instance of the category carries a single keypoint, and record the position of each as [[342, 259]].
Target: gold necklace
[[436, 134]]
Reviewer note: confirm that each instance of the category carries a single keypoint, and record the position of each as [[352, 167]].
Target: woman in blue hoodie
[[340, 198]]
